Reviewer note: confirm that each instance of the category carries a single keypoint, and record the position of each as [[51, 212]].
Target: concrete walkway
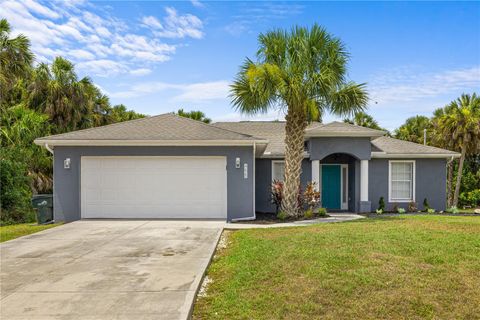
[[334, 217], [110, 269]]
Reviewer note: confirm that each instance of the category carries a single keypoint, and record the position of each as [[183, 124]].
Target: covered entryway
[[153, 187]]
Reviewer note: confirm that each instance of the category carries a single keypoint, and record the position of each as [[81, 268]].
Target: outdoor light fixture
[[66, 163], [237, 163]]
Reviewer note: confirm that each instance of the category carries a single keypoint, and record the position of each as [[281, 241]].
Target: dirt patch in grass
[[414, 267]]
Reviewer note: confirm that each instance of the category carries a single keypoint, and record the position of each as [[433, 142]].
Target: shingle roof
[[337, 128], [396, 146], [273, 131], [162, 127]]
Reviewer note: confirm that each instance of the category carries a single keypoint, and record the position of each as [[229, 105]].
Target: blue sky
[[156, 56]]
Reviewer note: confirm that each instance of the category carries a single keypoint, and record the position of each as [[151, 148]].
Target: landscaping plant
[[276, 192], [426, 206], [311, 196], [381, 204], [412, 207]]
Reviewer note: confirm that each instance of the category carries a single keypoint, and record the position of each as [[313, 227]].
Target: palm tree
[[56, 91], [15, 58], [364, 120], [458, 123], [195, 115], [302, 72], [413, 129]]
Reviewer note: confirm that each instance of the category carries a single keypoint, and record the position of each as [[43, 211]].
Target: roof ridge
[[107, 125], [354, 125]]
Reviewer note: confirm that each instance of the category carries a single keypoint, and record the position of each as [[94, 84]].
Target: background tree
[[302, 72], [15, 59], [412, 129], [458, 124], [364, 120], [195, 115]]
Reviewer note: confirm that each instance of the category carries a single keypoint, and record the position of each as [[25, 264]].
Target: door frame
[[343, 205]]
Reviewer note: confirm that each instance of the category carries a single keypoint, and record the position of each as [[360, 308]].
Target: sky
[[159, 56]]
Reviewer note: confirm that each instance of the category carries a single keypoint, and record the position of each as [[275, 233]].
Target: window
[[278, 170], [402, 181]]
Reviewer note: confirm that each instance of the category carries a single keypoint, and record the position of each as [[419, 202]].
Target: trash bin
[[43, 203]]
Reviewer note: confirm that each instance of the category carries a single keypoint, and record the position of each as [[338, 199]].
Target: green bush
[[322, 212], [381, 204], [431, 210], [379, 211], [452, 210], [400, 210], [426, 206], [282, 215], [471, 198], [308, 214]]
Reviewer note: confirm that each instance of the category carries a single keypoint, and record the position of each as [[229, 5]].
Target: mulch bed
[[271, 218]]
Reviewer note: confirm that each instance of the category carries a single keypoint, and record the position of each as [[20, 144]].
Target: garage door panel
[[153, 187]]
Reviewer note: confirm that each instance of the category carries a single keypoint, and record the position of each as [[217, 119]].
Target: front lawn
[[410, 267], [18, 230]]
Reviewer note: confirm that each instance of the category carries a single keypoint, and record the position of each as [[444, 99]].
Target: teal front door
[[331, 186]]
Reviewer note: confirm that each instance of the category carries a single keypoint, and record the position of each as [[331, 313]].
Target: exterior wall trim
[[128, 143], [384, 155]]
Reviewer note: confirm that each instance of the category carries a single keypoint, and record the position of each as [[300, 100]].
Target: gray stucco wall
[[358, 147], [67, 181], [430, 183], [263, 177]]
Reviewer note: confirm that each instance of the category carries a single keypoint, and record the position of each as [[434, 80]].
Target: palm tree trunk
[[294, 141], [459, 175], [449, 182]]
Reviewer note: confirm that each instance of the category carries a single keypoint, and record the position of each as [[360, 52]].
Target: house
[[167, 166]]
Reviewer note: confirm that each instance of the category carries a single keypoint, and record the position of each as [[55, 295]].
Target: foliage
[[282, 215], [452, 209], [195, 115], [426, 206], [379, 211], [412, 129], [381, 204], [36, 101], [276, 192], [364, 120], [304, 73], [308, 214], [471, 198], [458, 127], [400, 210], [412, 207], [322, 212], [430, 210], [311, 196]]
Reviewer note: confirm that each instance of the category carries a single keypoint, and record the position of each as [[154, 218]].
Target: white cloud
[[192, 92], [197, 3], [407, 84], [140, 72], [91, 37], [175, 25], [102, 68]]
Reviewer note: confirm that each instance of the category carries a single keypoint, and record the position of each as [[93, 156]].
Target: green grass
[[410, 267], [19, 230]]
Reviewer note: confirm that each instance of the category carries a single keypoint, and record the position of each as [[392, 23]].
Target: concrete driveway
[[107, 269]]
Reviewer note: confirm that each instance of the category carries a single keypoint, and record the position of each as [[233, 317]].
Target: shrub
[[471, 198], [276, 194], [395, 207], [311, 196], [381, 204], [379, 211], [426, 206], [412, 207], [431, 210], [400, 210], [322, 212], [452, 210], [282, 215], [308, 214]]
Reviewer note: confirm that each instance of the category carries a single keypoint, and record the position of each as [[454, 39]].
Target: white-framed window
[[401, 180], [278, 170]]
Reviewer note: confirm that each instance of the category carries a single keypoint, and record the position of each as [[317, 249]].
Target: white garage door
[[153, 187]]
